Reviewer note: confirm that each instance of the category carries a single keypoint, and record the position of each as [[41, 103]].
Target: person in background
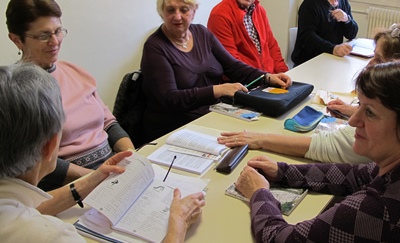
[[91, 133], [28, 152], [322, 25], [243, 28], [327, 146], [183, 65], [369, 212]]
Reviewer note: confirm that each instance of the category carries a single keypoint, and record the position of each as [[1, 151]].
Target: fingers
[[228, 134], [232, 139], [282, 80], [336, 102], [177, 194], [342, 50], [118, 157], [339, 15], [108, 166]]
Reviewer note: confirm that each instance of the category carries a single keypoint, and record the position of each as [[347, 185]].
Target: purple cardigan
[[179, 85], [369, 213]]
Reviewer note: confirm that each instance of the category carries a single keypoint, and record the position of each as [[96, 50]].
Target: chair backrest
[[292, 41], [129, 106]]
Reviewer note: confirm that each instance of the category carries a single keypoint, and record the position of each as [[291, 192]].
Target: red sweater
[[226, 23]]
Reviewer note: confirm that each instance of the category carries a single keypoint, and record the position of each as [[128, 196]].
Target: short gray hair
[[31, 112], [161, 4]]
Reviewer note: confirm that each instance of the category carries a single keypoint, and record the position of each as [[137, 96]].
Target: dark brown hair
[[21, 13], [382, 81], [390, 47]]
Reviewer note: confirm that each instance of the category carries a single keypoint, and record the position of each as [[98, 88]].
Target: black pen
[[170, 166], [340, 114], [255, 80]]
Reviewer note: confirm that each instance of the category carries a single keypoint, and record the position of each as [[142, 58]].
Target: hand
[[280, 79], [342, 107], [108, 167], [234, 139], [267, 166], [342, 50], [228, 89], [250, 181], [184, 212], [339, 15]]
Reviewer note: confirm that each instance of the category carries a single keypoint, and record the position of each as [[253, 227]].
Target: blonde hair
[[161, 4]]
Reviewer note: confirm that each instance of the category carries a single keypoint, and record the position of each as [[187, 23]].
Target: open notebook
[[363, 47]]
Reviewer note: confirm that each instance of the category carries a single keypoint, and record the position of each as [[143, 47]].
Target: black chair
[[129, 106]]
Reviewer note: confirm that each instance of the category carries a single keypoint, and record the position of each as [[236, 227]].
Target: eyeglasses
[[46, 36]]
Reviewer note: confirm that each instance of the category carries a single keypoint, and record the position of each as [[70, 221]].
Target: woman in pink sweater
[[91, 133]]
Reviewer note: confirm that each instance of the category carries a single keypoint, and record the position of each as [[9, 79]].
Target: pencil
[[255, 80], [170, 166]]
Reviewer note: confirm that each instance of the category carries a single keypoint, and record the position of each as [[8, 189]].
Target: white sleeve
[[335, 147]]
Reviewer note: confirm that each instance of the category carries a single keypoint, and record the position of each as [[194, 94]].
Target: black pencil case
[[232, 159], [271, 104]]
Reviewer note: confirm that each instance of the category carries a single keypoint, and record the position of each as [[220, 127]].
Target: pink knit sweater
[[87, 116]]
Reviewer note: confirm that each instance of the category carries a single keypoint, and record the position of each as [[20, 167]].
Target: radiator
[[380, 18]]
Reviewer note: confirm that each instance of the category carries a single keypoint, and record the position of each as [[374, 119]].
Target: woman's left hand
[[228, 89], [110, 166], [250, 181], [280, 79], [234, 139]]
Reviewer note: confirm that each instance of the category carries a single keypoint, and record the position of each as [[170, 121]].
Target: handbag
[[269, 100]]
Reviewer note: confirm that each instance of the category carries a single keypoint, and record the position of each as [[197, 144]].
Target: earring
[[19, 52]]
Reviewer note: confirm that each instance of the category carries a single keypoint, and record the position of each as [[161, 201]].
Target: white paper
[[363, 47], [117, 192], [147, 216], [197, 141], [190, 163]]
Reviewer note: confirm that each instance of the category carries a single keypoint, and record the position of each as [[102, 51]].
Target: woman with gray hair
[[31, 120]]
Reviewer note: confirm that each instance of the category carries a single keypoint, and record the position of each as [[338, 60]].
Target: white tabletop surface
[[227, 219]]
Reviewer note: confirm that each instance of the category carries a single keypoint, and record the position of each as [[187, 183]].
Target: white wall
[[105, 37], [282, 15], [359, 11]]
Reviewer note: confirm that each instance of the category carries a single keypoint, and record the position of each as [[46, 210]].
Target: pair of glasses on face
[[46, 36]]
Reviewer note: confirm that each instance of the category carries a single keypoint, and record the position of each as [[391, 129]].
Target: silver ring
[[235, 140]]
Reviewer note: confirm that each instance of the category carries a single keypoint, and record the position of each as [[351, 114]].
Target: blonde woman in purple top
[[183, 66]]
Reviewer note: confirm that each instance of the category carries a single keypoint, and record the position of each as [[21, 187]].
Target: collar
[[27, 194], [51, 69], [251, 8]]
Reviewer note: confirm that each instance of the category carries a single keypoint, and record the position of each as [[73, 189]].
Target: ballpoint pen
[[170, 166], [255, 80], [340, 114]]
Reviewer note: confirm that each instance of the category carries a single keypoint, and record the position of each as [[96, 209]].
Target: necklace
[[184, 45], [51, 69]]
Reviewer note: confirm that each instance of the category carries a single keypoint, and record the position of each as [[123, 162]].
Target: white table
[[226, 219]]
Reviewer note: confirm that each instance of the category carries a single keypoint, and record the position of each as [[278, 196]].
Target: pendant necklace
[[184, 45]]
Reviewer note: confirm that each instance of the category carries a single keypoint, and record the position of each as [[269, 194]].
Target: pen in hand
[[340, 114], [170, 166], [255, 80]]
